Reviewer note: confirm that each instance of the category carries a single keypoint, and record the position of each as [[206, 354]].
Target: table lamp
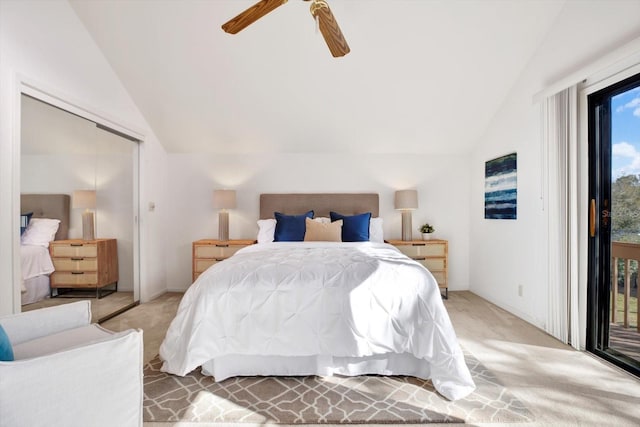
[[406, 201], [223, 200]]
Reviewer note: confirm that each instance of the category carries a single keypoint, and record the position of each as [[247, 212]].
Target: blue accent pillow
[[290, 228], [355, 228], [24, 221], [6, 352]]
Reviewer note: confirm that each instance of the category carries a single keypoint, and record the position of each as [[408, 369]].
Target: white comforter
[[317, 298], [36, 261]]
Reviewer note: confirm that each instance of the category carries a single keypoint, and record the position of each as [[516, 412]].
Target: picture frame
[[501, 187]]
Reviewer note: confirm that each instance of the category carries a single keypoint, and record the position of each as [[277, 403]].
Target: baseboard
[[532, 321]]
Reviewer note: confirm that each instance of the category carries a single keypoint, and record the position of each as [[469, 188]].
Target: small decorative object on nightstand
[[84, 265], [433, 254], [427, 231], [207, 252]]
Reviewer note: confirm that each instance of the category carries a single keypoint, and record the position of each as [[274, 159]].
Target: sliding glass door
[[614, 224]]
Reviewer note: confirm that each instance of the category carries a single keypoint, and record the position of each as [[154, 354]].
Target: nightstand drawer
[[435, 264], [419, 249], [202, 264], [63, 278], [433, 254], [75, 264], [216, 252], [207, 252], [72, 250], [89, 264], [441, 277]]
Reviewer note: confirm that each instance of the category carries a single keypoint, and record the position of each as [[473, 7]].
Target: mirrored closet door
[[92, 172]]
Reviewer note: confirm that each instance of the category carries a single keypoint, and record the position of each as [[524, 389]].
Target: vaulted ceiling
[[422, 76]]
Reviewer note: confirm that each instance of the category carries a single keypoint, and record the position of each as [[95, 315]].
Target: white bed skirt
[[36, 289], [228, 366]]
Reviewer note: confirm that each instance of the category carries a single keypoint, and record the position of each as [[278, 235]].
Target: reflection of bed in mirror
[[35, 259]]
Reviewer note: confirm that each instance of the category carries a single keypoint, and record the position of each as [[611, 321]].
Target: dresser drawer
[[75, 264], [64, 278], [216, 252], [74, 250]]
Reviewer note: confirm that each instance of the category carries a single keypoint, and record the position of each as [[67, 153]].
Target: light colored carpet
[[559, 385], [322, 400]]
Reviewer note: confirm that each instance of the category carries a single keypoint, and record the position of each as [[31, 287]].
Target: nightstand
[[433, 254], [207, 252], [84, 265]]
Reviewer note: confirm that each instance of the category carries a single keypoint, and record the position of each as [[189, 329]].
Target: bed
[[317, 307], [35, 259]]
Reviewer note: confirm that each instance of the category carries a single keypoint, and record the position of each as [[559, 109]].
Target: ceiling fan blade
[[329, 28], [251, 15]]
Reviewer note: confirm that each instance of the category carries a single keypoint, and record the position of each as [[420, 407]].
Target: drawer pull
[[219, 259], [77, 272], [76, 244], [420, 258], [418, 244], [77, 259], [222, 246]]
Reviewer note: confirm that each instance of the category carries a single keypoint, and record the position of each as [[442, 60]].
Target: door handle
[[592, 218]]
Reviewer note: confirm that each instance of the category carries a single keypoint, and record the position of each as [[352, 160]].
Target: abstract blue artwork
[[500, 187]]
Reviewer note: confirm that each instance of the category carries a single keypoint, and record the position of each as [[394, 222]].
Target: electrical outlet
[[519, 290]]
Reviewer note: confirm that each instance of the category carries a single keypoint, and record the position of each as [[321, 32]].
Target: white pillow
[[376, 233], [266, 230], [40, 231]]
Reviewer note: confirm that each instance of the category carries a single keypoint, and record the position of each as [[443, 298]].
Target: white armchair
[[69, 372]]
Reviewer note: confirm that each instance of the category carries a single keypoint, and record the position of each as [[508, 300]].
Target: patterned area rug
[[321, 400]]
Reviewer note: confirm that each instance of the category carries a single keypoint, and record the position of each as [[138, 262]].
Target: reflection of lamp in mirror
[[406, 201], [223, 200], [86, 199]]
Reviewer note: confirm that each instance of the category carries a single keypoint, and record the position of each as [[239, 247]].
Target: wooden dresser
[[84, 265], [207, 252], [433, 254]]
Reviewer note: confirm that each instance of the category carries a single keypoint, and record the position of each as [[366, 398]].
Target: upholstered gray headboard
[[321, 203], [56, 206]]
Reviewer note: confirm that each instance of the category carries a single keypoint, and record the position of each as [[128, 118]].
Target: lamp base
[[223, 226], [88, 226], [407, 232]]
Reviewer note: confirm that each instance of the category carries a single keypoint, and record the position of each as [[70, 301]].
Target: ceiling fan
[[319, 10]]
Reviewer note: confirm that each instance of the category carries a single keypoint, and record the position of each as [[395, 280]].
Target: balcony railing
[[627, 252]]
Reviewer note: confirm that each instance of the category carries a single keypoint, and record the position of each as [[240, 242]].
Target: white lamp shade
[[406, 200], [224, 199], [85, 199]]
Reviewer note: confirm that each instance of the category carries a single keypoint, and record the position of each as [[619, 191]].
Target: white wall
[[505, 254], [43, 42], [442, 183]]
